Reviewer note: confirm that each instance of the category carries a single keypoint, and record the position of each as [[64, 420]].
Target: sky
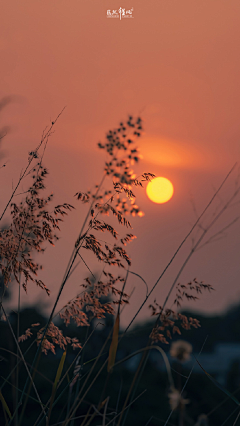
[[176, 64]]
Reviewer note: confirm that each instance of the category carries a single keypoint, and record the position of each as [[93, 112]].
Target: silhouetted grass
[[83, 386]]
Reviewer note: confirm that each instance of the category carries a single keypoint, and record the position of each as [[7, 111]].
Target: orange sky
[[176, 64]]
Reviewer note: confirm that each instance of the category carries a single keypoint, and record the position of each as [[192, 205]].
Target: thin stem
[[44, 137], [185, 384], [119, 394], [142, 363], [139, 396], [62, 379], [29, 374], [17, 369], [179, 247], [20, 360], [83, 226], [66, 276]]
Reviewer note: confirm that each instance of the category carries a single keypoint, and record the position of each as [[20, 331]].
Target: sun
[[160, 190]]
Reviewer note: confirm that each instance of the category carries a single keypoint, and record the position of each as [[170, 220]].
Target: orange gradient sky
[[177, 65]]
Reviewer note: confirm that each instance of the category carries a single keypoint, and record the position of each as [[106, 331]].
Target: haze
[[177, 65]]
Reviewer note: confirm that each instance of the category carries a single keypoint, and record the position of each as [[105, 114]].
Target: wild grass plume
[[82, 386]]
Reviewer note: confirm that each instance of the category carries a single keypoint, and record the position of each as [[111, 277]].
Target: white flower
[[181, 350], [175, 399]]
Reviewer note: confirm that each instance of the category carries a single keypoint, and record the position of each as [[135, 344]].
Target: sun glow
[[160, 190]]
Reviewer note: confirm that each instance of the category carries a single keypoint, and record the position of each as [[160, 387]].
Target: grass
[[62, 395]]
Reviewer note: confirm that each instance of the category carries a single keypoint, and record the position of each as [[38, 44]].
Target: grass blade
[[57, 378], [218, 384], [4, 404], [114, 345]]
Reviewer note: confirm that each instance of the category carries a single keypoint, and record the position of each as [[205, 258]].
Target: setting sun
[[160, 190]]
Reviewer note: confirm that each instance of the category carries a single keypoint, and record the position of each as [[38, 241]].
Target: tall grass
[[31, 226]]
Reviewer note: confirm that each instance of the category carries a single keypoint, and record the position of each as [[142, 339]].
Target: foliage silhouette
[[34, 387]]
